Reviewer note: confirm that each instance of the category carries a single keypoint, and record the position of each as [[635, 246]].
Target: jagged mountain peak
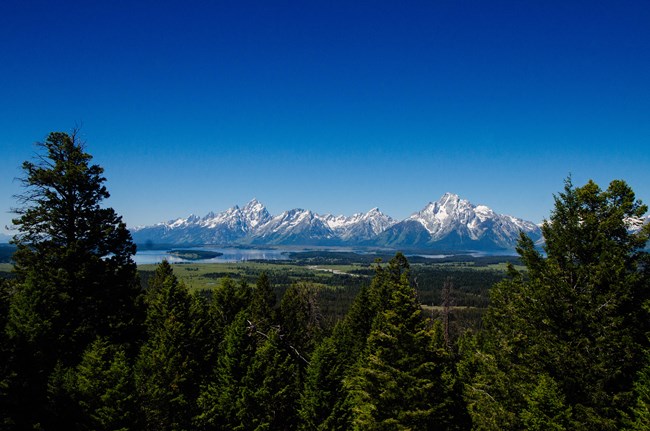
[[373, 213], [457, 220], [254, 205], [255, 213], [450, 222], [448, 201], [296, 212], [449, 196], [449, 208], [192, 218], [359, 226]]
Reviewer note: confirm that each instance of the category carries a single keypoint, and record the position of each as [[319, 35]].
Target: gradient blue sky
[[335, 106]]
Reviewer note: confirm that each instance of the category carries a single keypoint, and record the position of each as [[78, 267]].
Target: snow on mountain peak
[[254, 205], [447, 197], [173, 224], [255, 213], [453, 214], [449, 217]]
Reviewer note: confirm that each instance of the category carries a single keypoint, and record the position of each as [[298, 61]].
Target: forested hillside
[[563, 344]]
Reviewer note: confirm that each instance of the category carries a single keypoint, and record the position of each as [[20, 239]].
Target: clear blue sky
[[335, 106]]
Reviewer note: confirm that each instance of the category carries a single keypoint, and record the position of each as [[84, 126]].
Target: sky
[[333, 106]]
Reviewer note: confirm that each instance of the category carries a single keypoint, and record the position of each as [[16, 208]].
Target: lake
[[143, 257]]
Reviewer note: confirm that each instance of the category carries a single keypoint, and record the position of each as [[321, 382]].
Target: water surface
[[143, 257]]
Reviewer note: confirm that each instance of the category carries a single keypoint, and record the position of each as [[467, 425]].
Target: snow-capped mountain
[[295, 227], [359, 227], [450, 223], [226, 227], [455, 223], [303, 227]]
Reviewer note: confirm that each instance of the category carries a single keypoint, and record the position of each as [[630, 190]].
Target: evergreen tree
[[271, 389], [105, 390], [220, 396], [546, 409], [323, 403], [262, 306], [301, 322], [206, 335], [404, 378], [75, 279], [6, 372], [229, 299], [326, 403], [576, 317], [491, 383], [323, 386], [639, 417], [167, 373], [253, 322]]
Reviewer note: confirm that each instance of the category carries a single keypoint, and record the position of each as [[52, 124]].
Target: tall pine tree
[[271, 388], [168, 369], [221, 394], [104, 388], [326, 403], [404, 378], [263, 301], [75, 277], [575, 319]]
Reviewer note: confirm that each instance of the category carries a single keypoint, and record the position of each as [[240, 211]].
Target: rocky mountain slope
[[449, 223], [455, 223]]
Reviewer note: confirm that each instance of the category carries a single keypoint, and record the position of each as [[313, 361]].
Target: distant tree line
[[563, 344]]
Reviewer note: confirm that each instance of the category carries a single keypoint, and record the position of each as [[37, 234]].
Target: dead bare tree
[[446, 308]]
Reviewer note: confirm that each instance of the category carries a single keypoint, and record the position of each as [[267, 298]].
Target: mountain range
[[451, 223]]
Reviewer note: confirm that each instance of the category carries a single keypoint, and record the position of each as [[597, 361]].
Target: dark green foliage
[[206, 334], [97, 394], [301, 321], [229, 299], [384, 367], [256, 381], [5, 354], [546, 409], [262, 306], [104, 389], [639, 417], [470, 287], [576, 318], [220, 396], [194, 254], [270, 389], [404, 378], [323, 388], [326, 402], [336, 291], [168, 369], [322, 257], [75, 279], [75, 247]]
